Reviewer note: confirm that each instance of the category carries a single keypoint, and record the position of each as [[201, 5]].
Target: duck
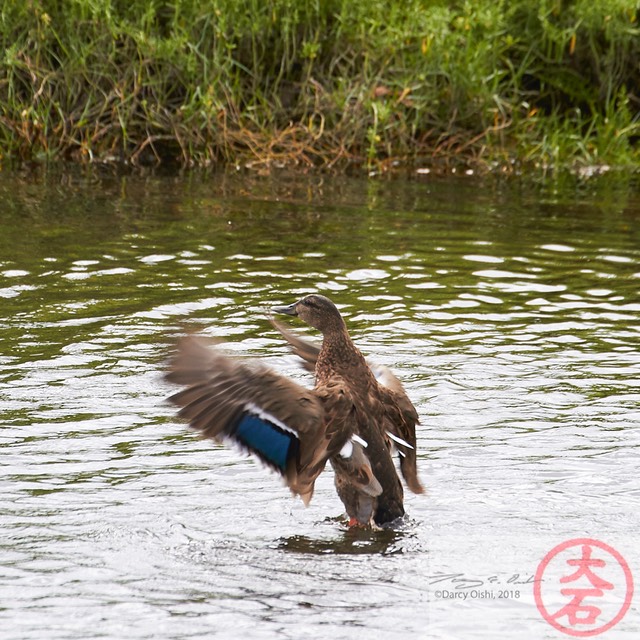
[[356, 416]]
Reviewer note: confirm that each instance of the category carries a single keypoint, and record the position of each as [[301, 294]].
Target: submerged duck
[[356, 415]]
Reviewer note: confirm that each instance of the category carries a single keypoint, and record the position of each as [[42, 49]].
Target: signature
[[461, 581]]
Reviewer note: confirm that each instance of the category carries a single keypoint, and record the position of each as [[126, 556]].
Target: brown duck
[[355, 416]]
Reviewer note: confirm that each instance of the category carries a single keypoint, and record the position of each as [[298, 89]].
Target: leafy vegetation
[[483, 83]]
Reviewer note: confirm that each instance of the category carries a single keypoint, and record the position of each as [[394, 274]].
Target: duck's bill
[[289, 310]]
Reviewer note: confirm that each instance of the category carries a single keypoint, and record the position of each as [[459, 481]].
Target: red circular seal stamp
[[583, 587]]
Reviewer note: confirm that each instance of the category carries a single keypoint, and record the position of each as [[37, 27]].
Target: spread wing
[[262, 412], [304, 349], [400, 425]]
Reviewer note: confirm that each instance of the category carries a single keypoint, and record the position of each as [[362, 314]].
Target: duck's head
[[316, 310]]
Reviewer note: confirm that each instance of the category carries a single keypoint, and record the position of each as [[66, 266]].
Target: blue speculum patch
[[266, 439]]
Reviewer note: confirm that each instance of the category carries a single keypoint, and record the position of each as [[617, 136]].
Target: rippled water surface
[[510, 313]]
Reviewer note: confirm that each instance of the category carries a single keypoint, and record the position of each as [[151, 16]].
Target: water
[[510, 313]]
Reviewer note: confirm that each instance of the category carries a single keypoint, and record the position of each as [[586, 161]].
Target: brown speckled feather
[[400, 416]]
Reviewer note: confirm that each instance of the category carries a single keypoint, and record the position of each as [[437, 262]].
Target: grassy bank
[[486, 83]]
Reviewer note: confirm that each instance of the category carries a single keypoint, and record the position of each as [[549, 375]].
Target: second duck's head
[[317, 311]]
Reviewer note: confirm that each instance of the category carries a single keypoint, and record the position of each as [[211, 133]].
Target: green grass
[[486, 83]]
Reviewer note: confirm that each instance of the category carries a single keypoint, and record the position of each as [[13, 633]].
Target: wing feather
[[222, 391]]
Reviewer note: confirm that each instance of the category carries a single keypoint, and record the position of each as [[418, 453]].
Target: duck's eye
[[310, 302]]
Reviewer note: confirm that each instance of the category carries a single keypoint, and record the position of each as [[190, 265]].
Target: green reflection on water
[[97, 259]]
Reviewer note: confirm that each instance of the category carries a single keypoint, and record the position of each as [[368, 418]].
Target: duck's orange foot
[[354, 522]]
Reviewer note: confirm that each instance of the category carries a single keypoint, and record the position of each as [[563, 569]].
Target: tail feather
[[409, 471]]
